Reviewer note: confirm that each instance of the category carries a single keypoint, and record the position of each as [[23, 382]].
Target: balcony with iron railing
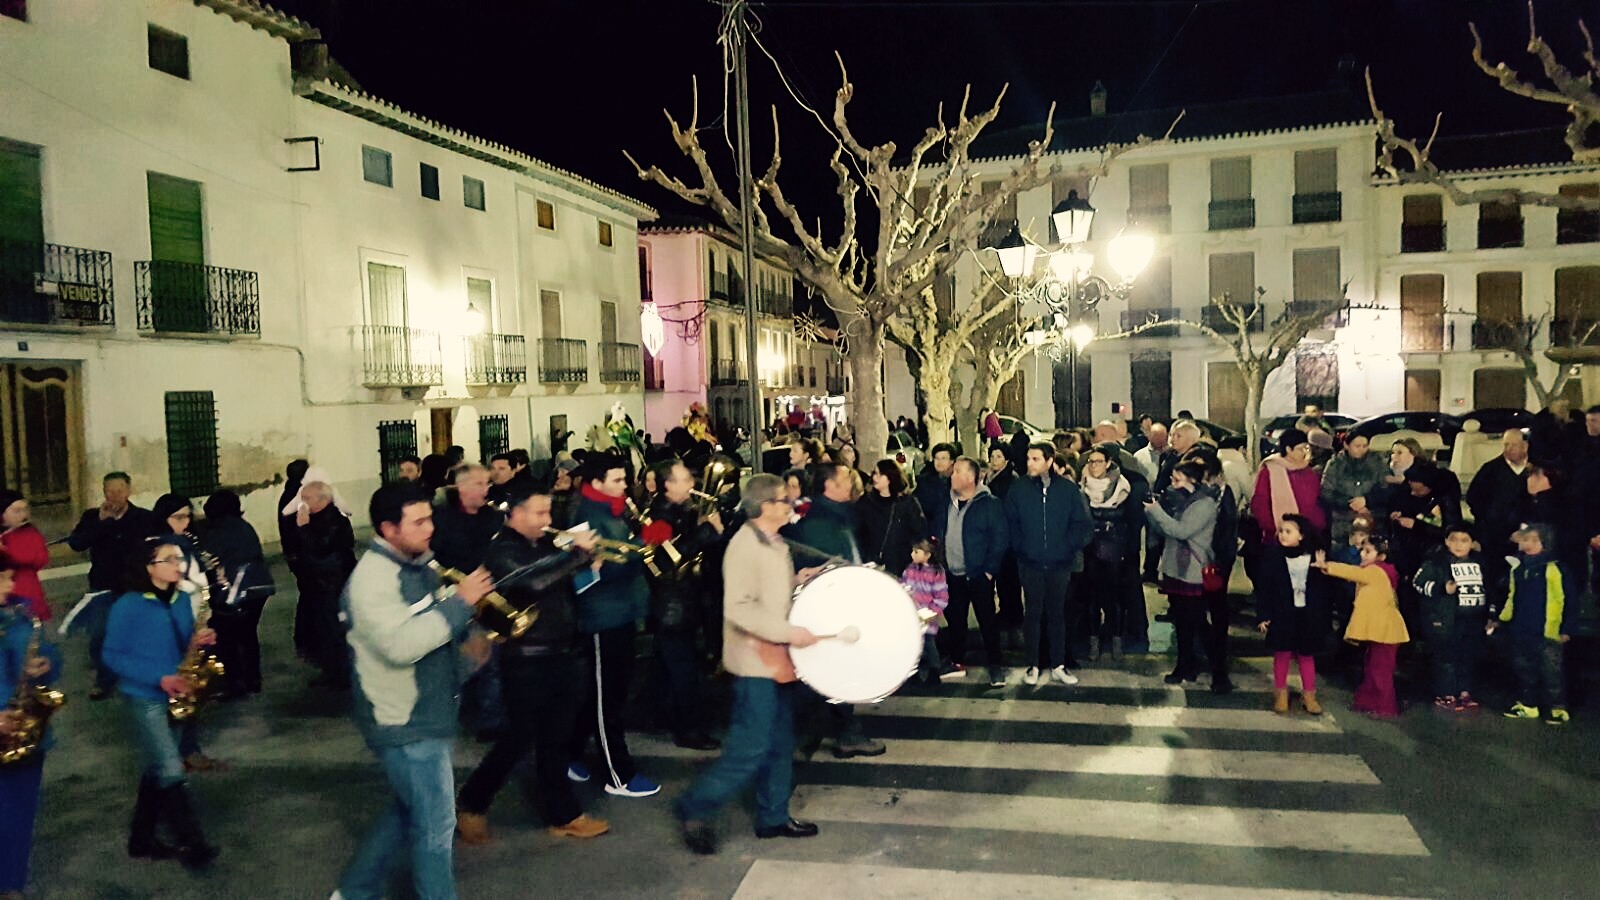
[[48, 284], [563, 360], [1135, 318], [719, 285], [621, 363], [393, 356], [1574, 331], [496, 359], [190, 298], [726, 372], [1503, 334], [1151, 218], [1325, 207], [1223, 215], [1217, 319], [1422, 238], [1336, 312]]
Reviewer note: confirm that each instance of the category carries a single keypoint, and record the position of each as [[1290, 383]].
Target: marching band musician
[[150, 631], [758, 578], [20, 782], [405, 637], [608, 614], [541, 673], [174, 515], [677, 601], [463, 525]]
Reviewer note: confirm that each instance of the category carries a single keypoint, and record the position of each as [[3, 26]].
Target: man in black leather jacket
[[678, 602], [541, 672]]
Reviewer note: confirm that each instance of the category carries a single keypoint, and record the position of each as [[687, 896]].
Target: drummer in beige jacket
[[758, 580]]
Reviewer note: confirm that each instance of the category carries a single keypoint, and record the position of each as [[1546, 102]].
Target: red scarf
[[617, 504]]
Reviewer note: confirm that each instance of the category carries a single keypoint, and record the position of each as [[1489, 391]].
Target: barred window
[[396, 441], [191, 442], [494, 436]]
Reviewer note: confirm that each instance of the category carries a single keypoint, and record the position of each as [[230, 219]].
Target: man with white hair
[[325, 547], [1151, 456]]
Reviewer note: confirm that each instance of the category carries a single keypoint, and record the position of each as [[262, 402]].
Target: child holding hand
[[1376, 622], [1293, 601], [924, 580]]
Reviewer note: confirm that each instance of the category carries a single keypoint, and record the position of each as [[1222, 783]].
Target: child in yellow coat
[[1376, 622]]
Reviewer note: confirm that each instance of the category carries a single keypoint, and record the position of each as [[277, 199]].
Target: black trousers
[[541, 698], [239, 645], [1008, 589], [1219, 610], [678, 668], [1135, 618], [1045, 603], [978, 595], [1188, 622], [605, 701], [1106, 595], [1538, 663], [1457, 647]]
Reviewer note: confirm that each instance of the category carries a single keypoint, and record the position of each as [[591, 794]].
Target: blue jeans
[[19, 797], [759, 746], [422, 818], [163, 743]]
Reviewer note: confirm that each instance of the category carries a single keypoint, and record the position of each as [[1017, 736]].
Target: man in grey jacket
[[405, 632]]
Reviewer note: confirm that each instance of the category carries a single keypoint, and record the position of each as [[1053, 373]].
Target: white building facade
[[216, 260]]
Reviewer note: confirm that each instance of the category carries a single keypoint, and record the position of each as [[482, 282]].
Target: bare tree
[[867, 285], [1575, 94], [1571, 343]]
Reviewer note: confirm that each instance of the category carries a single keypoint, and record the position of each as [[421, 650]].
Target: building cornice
[[1514, 171], [261, 16], [1097, 149], [381, 112]]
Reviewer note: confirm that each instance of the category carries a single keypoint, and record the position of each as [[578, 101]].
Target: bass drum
[[889, 645]]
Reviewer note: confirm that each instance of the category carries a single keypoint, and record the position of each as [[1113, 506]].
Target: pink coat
[[1306, 485]]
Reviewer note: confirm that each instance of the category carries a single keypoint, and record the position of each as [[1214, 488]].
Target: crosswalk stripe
[[1071, 713], [770, 879], [1252, 765], [1373, 833]]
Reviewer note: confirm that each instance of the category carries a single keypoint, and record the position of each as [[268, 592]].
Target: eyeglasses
[[166, 560]]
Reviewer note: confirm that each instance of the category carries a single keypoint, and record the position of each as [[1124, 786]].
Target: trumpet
[[494, 612], [611, 551]]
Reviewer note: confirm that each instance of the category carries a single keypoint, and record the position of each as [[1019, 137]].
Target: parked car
[[1273, 429], [1428, 422], [1011, 425], [902, 449], [1217, 433], [1496, 420]]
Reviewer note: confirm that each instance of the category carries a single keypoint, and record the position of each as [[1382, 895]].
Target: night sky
[[574, 83]]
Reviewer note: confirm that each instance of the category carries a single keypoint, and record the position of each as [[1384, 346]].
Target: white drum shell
[[890, 643]]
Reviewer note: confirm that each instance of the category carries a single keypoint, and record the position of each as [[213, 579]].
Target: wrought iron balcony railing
[[1426, 238], [1574, 331], [190, 298], [727, 371], [48, 284], [1225, 214], [1327, 207], [497, 359], [620, 363], [563, 360], [393, 356], [1215, 318], [1503, 334], [1133, 318]]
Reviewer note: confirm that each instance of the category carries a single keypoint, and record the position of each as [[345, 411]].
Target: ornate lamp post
[[1067, 288]]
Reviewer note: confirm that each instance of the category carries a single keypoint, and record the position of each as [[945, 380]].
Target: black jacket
[[327, 547], [828, 526], [1302, 630], [234, 543], [886, 527], [932, 489], [459, 539], [1047, 529], [985, 537], [679, 598], [546, 588], [111, 543], [1499, 500], [500, 494], [1001, 482], [1472, 594]]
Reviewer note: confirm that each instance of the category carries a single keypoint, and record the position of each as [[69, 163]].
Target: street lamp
[[1068, 289]]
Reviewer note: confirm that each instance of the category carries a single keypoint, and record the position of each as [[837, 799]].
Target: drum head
[[890, 642]]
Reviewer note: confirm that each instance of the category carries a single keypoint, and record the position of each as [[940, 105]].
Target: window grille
[[191, 442]]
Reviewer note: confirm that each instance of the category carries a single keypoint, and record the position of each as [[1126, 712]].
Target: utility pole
[[741, 74]]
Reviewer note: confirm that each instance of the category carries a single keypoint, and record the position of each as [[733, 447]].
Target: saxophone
[[200, 664], [34, 705]]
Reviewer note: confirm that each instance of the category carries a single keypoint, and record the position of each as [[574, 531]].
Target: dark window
[[494, 436], [1498, 389], [644, 274], [1422, 223], [430, 181], [1151, 377], [1577, 318], [1499, 225], [1579, 226], [191, 442], [16, 9], [547, 215], [1499, 325], [377, 166], [396, 441], [605, 234], [169, 52], [472, 192]]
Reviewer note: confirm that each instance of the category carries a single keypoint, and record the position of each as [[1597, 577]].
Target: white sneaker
[[1060, 673], [1031, 676]]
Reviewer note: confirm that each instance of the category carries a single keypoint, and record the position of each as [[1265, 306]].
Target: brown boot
[[473, 828], [582, 827], [1308, 699], [1280, 702]]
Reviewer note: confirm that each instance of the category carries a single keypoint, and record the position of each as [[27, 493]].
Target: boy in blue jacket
[[1535, 614]]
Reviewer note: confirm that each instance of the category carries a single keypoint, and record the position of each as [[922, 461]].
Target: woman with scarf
[[889, 520], [23, 550], [326, 547], [1108, 493], [1187, 516], [1287, 484]]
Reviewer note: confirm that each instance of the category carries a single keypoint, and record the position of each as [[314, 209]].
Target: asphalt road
[[1118, 787]]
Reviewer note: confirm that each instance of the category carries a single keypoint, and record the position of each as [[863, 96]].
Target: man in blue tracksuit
[[970, 526], [1049, 525]]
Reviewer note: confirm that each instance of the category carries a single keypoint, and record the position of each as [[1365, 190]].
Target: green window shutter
[[176, 228], [21, 197]]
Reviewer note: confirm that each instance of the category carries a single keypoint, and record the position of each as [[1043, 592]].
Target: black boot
[[143, 843], [176, 808]]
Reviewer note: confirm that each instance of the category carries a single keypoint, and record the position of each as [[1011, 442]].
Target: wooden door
[[41, 441], [1498, 389], [1225, 395], [1422, 390], [443, 428]]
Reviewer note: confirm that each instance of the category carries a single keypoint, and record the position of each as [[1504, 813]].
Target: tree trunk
[[938, 375], [1255, 385], [865, 358]]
